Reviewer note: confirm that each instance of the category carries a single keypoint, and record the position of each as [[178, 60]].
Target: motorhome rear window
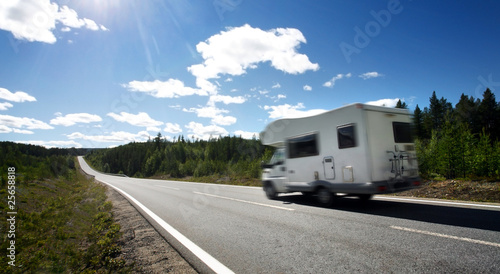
[[303, 146], [346, 136], [402, 132]]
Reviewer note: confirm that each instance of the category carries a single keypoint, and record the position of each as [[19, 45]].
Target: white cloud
[[224, 120], [384, 102], [141, 119], [289, 111], [307, 88], [154, 129], [206, 112], [205, 132], [280, 96], [69, 18], [214, 113], [18, 96], [237, 49], [22, 122], [277, 85], [50, 144], [331, 83], [5, 106], [114, 137], [369, 75], [172, 128], [22, 131], [246, 134], [226, 99], [74, 118], [172, 88], [6, 129], [35, 20]]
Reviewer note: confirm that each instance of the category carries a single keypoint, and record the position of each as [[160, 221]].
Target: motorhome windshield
[[402, 132], [278, 157]]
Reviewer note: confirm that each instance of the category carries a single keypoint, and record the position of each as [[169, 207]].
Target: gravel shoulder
[[141, 244]]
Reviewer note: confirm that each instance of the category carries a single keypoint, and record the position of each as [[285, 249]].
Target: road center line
[[174, 188], [210, 261], [445, 236], [243, 201]]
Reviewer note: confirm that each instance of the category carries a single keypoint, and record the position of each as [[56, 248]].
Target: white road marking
[[436, 202], [445, 236], [210, 261], [243, 201], [174, 188]]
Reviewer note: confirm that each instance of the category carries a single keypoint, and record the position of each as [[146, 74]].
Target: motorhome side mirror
[[264, 165]]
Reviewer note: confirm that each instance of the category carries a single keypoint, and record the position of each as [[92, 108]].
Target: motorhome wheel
[[324, 196], [270, 191]]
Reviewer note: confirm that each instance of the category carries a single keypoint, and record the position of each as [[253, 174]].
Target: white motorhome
[[358, 150]]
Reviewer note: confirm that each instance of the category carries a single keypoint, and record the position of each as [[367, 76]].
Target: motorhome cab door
[[278, 170]]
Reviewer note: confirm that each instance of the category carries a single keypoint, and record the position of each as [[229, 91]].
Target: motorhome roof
[[279, 125]]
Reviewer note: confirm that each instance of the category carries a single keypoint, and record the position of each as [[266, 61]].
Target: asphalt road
[[238, 229]]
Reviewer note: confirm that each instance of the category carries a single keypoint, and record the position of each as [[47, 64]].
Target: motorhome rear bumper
[[382, 187]]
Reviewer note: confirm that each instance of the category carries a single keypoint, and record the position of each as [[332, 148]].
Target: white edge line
[[174, 188], [243, 201], [210, 261], [435, 202], [445, 236]]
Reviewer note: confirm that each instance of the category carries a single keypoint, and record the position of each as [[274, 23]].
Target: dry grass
[[478, 191]]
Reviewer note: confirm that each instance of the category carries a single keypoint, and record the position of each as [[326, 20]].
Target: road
[[223, 228]]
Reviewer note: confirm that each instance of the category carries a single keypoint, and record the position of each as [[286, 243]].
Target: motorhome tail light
[[382, 188]]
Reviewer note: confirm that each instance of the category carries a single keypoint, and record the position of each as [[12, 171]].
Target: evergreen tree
[[418, 122], [438, 110], [466, 112], [402, 105], [489, 115]]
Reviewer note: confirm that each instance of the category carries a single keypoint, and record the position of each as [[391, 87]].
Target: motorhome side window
[[346, 136], [303, 146], [402, 132]]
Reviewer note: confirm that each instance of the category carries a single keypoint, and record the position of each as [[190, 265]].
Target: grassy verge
[[214, 179], [63, 225], [464, 190]]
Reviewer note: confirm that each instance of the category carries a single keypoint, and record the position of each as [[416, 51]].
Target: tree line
[[226, 156], [461, 141], [36, 162]]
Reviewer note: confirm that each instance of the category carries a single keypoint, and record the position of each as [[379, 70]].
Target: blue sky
[[108, 72]]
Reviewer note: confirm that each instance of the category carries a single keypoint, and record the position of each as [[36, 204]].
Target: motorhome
[[356, 150]]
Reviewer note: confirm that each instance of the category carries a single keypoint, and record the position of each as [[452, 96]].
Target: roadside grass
[[214, 179], [63, 225], [463, 190]]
